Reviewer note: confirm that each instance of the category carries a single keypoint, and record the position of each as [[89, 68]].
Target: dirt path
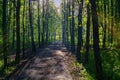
[[48, 64]]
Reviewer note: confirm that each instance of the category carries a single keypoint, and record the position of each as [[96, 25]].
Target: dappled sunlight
[[47, 65], [59, 40], [60, 53]]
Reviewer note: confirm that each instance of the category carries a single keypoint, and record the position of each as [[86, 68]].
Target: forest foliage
[[88, 28]]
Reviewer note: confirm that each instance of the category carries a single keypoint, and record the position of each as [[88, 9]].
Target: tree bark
[[14, 23], [31, 28], [4, 33], [23, 28], [104, 28], [96, 40], [72, 29], [17, 58], [39, 23], [43, 25], [87, 34], [79, 44]]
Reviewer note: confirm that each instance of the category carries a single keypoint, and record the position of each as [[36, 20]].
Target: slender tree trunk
[[23, 41], [17, 58], [96, 41], [104, 29], [87, 34], [39, 23], [27, 25], [79, 44], [9, 12], [63, 23], [109, 22], [51, 23], [43, 22], [47, 21], [14, 23], [112, 21], [4, 32], [67, 16], [72, 29], [31, 28]]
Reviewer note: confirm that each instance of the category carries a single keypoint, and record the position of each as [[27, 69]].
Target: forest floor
[[51, 63], [55, 62]]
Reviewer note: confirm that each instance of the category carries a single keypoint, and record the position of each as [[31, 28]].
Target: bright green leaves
[[87, 1]]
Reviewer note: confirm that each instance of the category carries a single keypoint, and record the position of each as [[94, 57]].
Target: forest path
[[48, 64]]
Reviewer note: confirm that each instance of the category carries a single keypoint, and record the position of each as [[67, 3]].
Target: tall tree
[[96, 40], [47, 20], [87, 34], [9, 19], [14, 23], [23, 20], [43, 23], [112, 20], [17, 58], [67, 26], [4, 32], [39, 23], [31, 28], [72, 29], [63, 22], [79, 44], [105, 26]]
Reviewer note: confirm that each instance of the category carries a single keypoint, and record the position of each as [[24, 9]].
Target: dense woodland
[[88, 28]]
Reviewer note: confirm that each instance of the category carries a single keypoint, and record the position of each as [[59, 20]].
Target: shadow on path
[[48, 64]]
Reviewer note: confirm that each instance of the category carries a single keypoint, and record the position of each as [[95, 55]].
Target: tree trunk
[[87, 34], [23, 41], [39, 23], [79, 44], [63, 23], [96, 41], [72, 29], [47, 20], [104, 28], [67, 16], [43, 27], [14, 23], [31, 28], [4, 32], [112, 21], [17, 58]]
